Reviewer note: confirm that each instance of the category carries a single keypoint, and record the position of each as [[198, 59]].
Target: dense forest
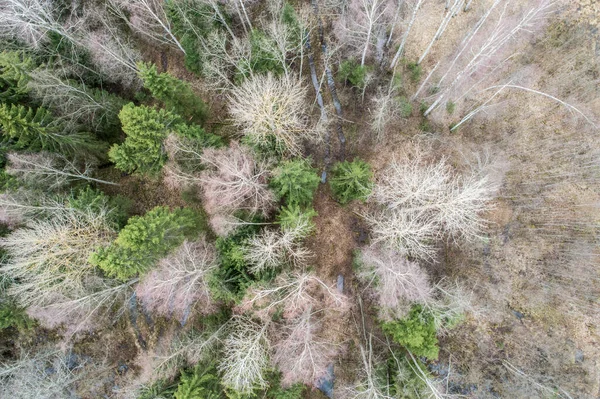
[[284, 199]]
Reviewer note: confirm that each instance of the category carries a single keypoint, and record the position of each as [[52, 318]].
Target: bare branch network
[[419, 203], [180, 281], [269, 108], [245, 356]]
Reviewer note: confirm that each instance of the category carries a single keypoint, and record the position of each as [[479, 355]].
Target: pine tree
[[176, 94], [201, 383], [14, 76], [144, 240], [416, 332], [351, 180], [146, 128], [296, 182], [24, 127]]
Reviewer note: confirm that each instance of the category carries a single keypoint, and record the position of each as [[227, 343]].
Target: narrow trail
[[337, 235], [333, 242], [330, 84]]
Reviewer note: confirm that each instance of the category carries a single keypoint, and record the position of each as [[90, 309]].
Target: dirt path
[[338, 234]]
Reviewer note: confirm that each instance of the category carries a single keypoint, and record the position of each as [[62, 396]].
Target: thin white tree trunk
[[405, 36], [424, 82], [246, 14], [541, 93], [442, 28], [166, 28], [478, 109], [54, 171], [400, 3], [364, 54]]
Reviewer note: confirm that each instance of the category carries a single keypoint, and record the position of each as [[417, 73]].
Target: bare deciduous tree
[[46, 374], [419, 203], [385, 109], [180, 281], [397, 281], [487, 46], [450, 12], [245, 357], [49, 263], [365, 24], [300, 354], [148, 18], [31, 20], [273, 249], [407, 30], [294, 293], [114, 56], [72, 102], [270, 108], [48, 170], [234, 180]]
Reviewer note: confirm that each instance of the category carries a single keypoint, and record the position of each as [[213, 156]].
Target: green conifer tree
[[176, 94], [24, 127], [144, 240], [146, 128], [296, 182], [14, 76]]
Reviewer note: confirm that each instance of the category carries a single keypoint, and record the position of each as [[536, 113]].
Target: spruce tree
[[35, 129], [296, 182], [146, 128], [176, 94], [144, 240], [14, 76]]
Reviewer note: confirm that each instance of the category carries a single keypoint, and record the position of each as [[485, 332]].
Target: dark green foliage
[[91, 199], [8, 182], [405, 380], [105, 124], [198, 134], [405, 107], [146, 128], [144, 240], [268, 148], [200, 383], [296, 182], [291, 216], [59, 50], [14, 316], [351, 71], [450, 107], [14, 75], [415, 71], [425, 126], [262, 60], [276, 391], [176, 94], [24, 127], [232, 278], [416, 332], [293, 392], [202, 17], [289, 17], [398, 82], [351, 180], [159, 390]]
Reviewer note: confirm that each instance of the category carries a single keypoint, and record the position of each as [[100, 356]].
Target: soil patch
[[334, 239]]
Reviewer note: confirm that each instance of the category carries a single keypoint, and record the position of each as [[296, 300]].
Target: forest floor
[[495, 282]]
